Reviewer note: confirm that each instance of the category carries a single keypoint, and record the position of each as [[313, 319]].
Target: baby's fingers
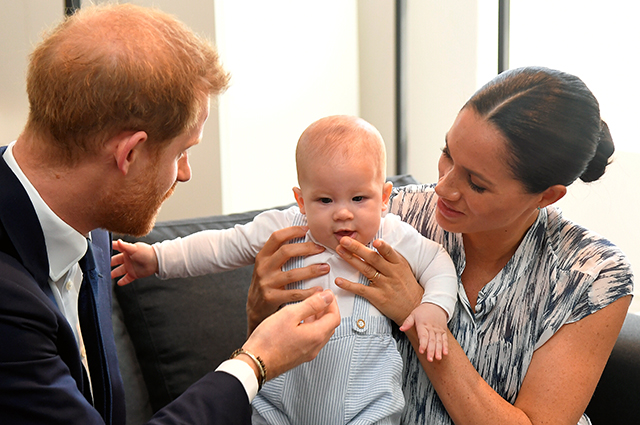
[[441, 346], [118, 271], [427, 342], [445, 344], [408, 323]]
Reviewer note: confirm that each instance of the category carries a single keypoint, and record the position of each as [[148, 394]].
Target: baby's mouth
[[341, 233]]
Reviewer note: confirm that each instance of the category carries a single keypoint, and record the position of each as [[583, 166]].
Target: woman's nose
[[447, 185]]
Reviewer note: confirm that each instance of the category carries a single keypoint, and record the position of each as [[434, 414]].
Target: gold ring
[[375, 275]]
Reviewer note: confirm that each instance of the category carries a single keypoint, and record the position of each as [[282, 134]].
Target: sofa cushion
[[615, 400], [182, 329]]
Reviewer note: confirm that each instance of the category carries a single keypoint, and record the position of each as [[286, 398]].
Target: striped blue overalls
[[355, 379]]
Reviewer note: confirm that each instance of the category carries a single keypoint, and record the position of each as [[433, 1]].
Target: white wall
[[376, 38], [21, 24], [292, 63], [442, 76]]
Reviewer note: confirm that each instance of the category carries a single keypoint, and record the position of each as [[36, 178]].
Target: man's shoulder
[[19, 288]]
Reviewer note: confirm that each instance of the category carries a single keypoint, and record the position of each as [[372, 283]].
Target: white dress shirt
[[65, 247]]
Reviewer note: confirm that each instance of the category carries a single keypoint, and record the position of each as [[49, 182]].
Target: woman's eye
[[476, 188], [325, 200], [445, 152]]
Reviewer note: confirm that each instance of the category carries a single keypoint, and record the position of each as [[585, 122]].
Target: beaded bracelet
[[259, 363]]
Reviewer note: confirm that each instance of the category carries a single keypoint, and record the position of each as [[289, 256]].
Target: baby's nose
[[343, 213]]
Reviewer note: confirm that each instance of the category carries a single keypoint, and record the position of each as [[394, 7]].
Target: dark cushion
[[617, 396], [183, 328]]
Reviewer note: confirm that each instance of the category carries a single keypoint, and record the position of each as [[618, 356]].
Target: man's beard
[[134, 211]]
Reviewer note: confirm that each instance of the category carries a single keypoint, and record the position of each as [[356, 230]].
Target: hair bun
[[596, 167]]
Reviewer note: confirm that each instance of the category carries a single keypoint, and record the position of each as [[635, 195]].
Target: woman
[[541, 300]]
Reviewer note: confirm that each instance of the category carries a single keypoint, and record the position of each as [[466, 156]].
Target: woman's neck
[[486, 255]]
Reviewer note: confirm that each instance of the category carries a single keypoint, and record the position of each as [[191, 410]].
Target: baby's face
[[342, 200]]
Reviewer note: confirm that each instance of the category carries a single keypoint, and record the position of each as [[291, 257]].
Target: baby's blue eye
[[358, 198], [325, 200]]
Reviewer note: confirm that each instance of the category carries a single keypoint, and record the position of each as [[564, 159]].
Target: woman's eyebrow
[[479, 176]]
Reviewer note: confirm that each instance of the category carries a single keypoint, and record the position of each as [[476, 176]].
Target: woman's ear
[[386, 194], [297, 192], [127, 149], [552, 195]]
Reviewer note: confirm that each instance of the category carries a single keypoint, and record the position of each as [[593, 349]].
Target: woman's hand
[[393, 289], [267, 292]]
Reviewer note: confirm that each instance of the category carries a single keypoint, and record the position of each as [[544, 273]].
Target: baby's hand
[[135, 261], [430, 321]]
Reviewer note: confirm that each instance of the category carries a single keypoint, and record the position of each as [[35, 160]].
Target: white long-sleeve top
[[212, 251]]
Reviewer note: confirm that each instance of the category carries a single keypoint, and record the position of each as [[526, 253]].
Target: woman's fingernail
[[342, 251], [345, 241], [323, 268]]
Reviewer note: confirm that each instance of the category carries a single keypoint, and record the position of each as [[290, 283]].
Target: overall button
[[361, 323]]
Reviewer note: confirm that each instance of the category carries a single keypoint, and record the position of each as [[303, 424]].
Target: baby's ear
[[297, 192], [386, 193]]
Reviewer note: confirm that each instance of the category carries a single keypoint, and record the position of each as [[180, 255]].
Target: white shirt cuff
[[244, 373]]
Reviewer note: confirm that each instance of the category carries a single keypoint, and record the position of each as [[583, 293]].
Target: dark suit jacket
[[42, 379]]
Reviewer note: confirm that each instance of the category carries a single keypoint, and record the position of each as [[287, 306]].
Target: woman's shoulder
[[579, 248], [412, 199], [583, 255]]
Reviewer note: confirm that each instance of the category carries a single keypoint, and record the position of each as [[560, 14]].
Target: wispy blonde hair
[[339, 138]]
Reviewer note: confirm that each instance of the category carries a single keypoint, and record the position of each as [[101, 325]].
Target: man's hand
[[295, 334]]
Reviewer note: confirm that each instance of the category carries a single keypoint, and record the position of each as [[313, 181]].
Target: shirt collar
[[65, 245]]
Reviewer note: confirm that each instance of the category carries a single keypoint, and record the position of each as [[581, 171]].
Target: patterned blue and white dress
[[560, 273]]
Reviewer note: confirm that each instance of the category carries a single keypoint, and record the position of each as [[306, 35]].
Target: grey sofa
[[170, 333]]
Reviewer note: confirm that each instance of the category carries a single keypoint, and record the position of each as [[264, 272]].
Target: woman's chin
[[446, 223]]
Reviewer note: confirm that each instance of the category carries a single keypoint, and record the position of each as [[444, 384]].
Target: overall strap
[[296, 262]]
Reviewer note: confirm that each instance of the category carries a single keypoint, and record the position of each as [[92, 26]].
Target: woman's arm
[[560, 380], [562, 375]]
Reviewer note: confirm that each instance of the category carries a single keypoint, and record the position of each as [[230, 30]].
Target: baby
[[342, 192]]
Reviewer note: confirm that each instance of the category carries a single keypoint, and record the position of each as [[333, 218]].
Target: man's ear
[[127, 149], [386, 193], [552, 195], [297, 192]]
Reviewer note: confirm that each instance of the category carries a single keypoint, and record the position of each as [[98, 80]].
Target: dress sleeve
[[614, 280], [430, 263]]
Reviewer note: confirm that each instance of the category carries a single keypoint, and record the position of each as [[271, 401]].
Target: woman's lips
[[447, 211]]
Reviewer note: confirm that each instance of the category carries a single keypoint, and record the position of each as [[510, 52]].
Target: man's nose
[[184, 169]]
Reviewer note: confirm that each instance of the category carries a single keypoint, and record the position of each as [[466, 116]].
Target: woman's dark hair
[[552, 123]]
